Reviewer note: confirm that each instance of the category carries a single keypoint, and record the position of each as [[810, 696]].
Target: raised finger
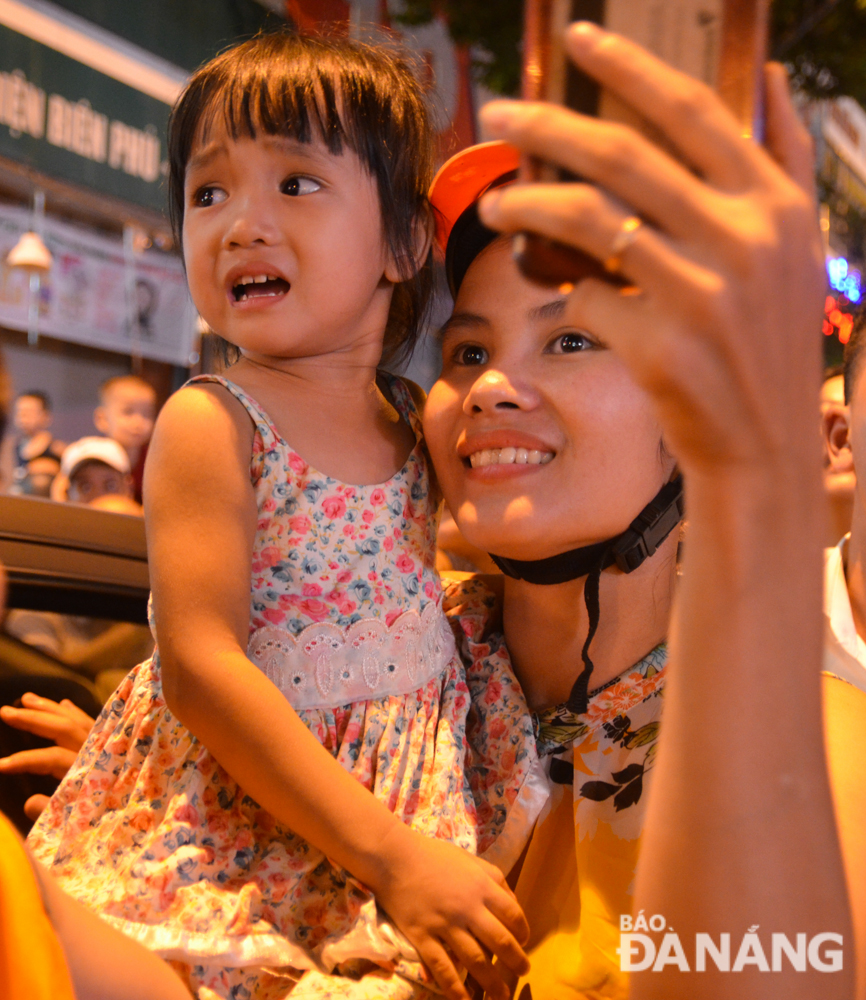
[[75, 713], [64, 709], [37, 702], [469, 953], [443, 970], [55, 761], [612, 155], [584, 217], [787, 139], [688, 112], [53, 727]]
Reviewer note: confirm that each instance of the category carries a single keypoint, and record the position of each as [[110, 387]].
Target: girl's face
[[541, 440], [284, 246]]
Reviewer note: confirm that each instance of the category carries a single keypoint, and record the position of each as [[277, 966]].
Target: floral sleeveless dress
[[346, 619]]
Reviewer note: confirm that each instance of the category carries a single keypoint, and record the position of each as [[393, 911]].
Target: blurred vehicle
[[69, 560]]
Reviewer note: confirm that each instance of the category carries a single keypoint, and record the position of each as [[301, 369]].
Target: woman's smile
[[506, 452]]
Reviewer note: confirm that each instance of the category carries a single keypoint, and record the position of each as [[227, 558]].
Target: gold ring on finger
[[621, 242]]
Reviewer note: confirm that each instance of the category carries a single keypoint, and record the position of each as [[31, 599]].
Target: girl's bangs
[[297, 101]]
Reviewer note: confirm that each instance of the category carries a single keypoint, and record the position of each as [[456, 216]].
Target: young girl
[[222, 800]]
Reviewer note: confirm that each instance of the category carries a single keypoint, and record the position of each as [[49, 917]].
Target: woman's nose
[[496, 391]]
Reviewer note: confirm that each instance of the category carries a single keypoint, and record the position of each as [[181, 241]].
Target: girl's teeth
[[509, 456]]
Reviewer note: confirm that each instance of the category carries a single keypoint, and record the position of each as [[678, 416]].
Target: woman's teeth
[[509, 456]]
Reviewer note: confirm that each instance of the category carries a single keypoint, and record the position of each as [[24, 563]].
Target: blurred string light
[[845, 282], [836, 321], [844, 279]]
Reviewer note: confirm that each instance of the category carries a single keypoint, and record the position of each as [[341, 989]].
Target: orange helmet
[[454, 194]]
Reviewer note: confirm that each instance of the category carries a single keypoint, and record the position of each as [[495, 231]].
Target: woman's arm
[[201, 521], [724, 334]]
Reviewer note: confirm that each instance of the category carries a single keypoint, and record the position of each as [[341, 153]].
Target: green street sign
[[70, 121]]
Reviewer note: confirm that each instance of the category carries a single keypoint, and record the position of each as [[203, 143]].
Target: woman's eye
[[470, 354], [571, 343], [207, 196], [295, 186]]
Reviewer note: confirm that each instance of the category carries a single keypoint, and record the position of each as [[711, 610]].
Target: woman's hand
[[723, 332], [456, 909]]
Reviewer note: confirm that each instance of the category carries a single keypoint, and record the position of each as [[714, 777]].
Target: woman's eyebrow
[[462, 320], [550, 310]]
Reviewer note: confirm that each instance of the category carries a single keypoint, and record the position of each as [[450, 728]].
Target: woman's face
[[541, 440]]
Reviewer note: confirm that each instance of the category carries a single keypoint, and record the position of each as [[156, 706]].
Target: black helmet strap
[[628, 550]]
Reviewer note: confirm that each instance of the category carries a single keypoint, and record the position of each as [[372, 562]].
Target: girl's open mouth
[[259, 286]]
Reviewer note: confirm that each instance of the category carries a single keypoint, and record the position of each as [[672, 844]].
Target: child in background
[[33, 455], [95, 467], [126, 413], [220, 811]]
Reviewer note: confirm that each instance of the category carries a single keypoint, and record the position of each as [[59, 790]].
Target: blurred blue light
[[844, 280]]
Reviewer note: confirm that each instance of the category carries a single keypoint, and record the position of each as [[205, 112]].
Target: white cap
[[95, 449]]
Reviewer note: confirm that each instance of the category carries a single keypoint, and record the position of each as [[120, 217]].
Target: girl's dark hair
[[347, 94]]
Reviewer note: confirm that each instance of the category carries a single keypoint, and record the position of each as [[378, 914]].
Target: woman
[[714, 361]]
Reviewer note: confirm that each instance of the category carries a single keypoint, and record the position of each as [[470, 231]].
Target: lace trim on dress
[[325, 666], [372, 938]]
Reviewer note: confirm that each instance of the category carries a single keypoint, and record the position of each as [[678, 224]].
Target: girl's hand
[[455, 909], [62, 722], [723, 332]]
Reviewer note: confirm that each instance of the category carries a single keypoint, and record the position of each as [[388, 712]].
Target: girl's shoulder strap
[[264, 425], [409, 399], [247, 402]]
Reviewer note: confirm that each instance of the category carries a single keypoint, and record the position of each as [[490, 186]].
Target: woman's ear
[[835, 429], [406, 266]]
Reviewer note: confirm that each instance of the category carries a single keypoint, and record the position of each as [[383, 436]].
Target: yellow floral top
[[577, 875]]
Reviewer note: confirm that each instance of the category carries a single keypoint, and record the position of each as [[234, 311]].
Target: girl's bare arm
[[201, 520]]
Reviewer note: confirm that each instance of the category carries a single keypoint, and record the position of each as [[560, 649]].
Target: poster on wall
[[84, 297]]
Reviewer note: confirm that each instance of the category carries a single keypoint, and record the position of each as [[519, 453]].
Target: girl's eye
[[572, 342], [295, 186], [470, 354], [207, 196]]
